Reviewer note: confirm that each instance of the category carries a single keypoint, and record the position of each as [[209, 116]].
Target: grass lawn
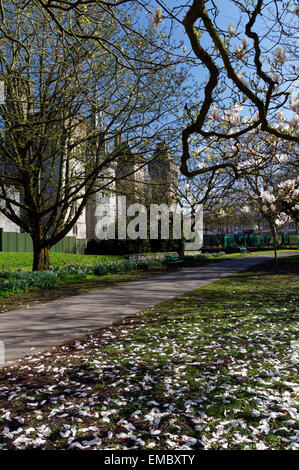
[[24, 260], [75, 284], [213, 369], [13, 261]]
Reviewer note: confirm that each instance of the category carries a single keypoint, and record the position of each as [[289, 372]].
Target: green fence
[[22, 242], [249, 240]]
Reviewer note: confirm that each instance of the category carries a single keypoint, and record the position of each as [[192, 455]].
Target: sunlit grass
[[24, 260]]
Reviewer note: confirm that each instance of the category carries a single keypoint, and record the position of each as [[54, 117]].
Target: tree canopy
[[66, 100]]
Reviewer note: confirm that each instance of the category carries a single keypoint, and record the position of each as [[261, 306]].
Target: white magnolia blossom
[[279, 126], [245, 42], [282, 158], [241, 77], [288, 185], [288, 190], [295, 194], [276, 77], [215, 114], [280, 53], [231, 30], [295, 121], [282, 219], [232, 115], [267, 197], [222, 213], [245, 210], [156, 19], [237, 107], [294, 102], [245, 165], [290, 195], [240, 50], [201, 165]]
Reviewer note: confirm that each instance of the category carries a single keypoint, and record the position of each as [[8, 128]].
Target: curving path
[[29, 330]]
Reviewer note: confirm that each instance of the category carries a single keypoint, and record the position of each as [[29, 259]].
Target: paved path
[[26, 331]]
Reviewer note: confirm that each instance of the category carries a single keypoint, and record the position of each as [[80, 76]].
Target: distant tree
[[271, 185]]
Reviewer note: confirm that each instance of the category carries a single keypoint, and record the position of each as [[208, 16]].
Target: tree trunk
[[41, 258], [180, 248], [275, 240]]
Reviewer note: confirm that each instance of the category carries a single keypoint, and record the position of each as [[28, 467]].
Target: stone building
[[131, 175], [163, 176]]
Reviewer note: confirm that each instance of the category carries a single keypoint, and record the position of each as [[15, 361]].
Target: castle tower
[[163, 176], [19, 96], [105, 198], [130, 173]]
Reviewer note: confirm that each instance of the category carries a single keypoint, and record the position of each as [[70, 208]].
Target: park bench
[[242, 249], [173, 261]]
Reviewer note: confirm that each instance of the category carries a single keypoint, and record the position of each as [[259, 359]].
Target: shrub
[[117, 247], [18, 281]]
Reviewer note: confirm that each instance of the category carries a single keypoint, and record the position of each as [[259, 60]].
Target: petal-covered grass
[[213, 369]]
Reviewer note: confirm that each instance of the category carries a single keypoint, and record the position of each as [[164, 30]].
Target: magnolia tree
[[210, 191], [271, 203], [271, 185], [251, 77], [268, 183]]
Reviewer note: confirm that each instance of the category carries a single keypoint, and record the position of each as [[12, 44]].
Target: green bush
[[15, 281], [18, 281], [127, 247], [117, 247]]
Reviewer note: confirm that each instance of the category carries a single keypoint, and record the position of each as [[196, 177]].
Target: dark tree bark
[[180, 248], [275, 246], [41, 258]]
